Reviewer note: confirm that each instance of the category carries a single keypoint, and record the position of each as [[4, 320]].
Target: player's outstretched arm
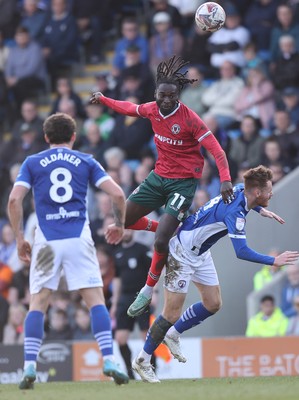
[[115, 231], [286, 258], [15, 215], [122, 107], [270, 214]]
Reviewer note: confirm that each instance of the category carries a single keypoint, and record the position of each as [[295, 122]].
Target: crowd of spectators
[[247, 92]]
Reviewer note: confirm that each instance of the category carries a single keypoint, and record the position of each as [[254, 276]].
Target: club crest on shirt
[[175, 129], [240, 223]]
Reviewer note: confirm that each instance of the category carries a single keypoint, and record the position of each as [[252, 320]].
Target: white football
[[210, 17]]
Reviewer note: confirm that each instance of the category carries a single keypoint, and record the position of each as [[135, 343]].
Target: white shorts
[[75, 257], [183, 267]]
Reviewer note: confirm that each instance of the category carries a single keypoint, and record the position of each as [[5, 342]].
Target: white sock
[[147, 291], [109, 357], [173, 333], [146, 357], [30, 362]]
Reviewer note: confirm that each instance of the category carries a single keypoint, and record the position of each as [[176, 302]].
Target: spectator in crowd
[[4, 51], [286, 133], [131, 134], [191, 95], [187, 9], [90, 16], [103, 84], [16, 149], [25, 71], [102, 118], [107, 266], [259, 20], [64, 90], [278, 171], [290, 291], [9, 18], [293, 325], [162, 6], [82, 329], [33, 18], [130, 85], [195, 50], [130, 35], [221, 95], [19, 288], [6, 275], [60, 41], [115, 158], [256, 98], [285, 70], [287, 25], [289, 101], [12, 174], [272, 153], [166, 40], [136, 68], [4, 306], [68, 106], [8, 246], [93, 142], [252, 60], [102, 208], [266, 273], [228, 43], [132, 262], [13, 332], [249, 145], [29, 119], [209, 180], [269, 322], [62, 300], [201, 197], [59, 326]]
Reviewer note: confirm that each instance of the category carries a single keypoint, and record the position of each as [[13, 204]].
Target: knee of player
[[213, 305], [161, 244]]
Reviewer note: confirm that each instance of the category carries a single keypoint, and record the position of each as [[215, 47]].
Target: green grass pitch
[[259, 388]]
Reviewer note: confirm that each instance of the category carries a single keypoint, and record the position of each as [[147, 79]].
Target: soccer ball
[[210, 17]]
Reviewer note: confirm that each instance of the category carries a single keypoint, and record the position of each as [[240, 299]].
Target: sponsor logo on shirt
[[175, 129], [240, 223], [62, 214], [174, 142]]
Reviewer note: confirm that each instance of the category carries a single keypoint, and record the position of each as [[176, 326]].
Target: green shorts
[[176, 194]]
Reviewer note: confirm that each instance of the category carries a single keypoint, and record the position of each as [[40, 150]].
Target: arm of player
[[246, 253], [115, 232], [122, 107], [212, 145], [270, 214], [15, 215]]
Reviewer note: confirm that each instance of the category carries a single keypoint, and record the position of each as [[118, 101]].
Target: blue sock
[[101, 328], [156, 334], [193, 316], [34, 332]]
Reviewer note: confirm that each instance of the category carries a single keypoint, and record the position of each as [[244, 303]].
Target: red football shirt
[[178, 138]]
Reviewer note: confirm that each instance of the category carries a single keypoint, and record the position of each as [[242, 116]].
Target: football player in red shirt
[[179, 133]]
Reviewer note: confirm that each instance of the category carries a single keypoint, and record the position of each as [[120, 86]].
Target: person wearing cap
[[289, 101], [165, 42], [135, 69], [228, 43], [130, 35], [158, 6]]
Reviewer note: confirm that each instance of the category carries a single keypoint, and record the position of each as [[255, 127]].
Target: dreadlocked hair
[[168, 72]]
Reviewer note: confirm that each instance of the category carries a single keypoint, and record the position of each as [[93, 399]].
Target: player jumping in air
[[59, 178], [179, 134], [190, 260]]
